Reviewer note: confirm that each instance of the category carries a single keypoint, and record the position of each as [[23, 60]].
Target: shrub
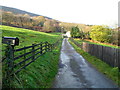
[[77, 33], [101, 34]]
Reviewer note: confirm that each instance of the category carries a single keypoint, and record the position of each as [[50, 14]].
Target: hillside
[[22, 19], [27, 37], [18, 11]]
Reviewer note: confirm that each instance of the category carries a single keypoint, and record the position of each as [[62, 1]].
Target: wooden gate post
[[10, 63]]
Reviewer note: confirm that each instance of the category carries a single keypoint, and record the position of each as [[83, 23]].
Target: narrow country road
[[76, 72]]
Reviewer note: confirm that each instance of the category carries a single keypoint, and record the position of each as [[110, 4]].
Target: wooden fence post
[[50, 47], [41, 48], [24, 55], [33, 52], [46, 46]]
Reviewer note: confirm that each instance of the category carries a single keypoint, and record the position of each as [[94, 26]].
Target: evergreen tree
[[75, 32]]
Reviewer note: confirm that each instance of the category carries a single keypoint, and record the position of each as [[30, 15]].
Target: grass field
[[97, 43], [41, 73], [28, 37], [110, 72]]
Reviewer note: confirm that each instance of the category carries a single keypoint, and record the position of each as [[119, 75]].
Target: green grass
[[103, 44], [41, 73], [28, 37], [110, 72]]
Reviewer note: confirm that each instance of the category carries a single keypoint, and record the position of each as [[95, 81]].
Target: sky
[[93, 12]]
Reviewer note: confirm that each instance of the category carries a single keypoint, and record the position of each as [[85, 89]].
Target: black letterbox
[[14, 41]]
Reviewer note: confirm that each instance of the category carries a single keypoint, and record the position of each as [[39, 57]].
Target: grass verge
[[110, 72], [97, 43], [39, 74]]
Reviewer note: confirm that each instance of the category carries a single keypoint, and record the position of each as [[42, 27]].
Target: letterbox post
[[11, 43], [10, 62]]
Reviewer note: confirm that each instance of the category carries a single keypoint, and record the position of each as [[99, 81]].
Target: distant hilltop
[[18, 11]]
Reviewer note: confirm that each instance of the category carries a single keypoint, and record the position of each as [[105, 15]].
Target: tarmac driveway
[[76, 72]]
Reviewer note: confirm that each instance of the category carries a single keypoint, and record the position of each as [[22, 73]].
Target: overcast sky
[[76, 11]]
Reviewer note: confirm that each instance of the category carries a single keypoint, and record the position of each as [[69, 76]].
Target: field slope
[[28, 37], [41, 73]]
